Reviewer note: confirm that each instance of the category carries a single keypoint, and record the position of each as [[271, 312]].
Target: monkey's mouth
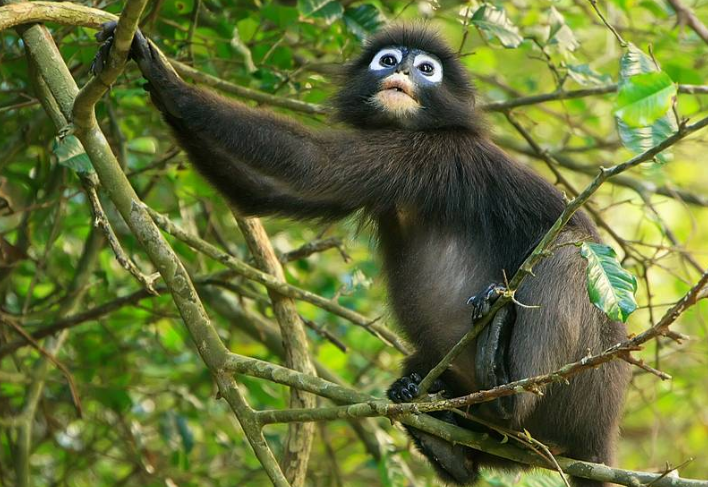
[[397, 87], [396, 96]]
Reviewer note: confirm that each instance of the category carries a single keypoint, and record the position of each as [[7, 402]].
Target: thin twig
[[90, 182], [619, 38], [64, 370]]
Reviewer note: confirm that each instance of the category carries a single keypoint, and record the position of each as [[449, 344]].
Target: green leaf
[[70, 153], [560, 34], [643, 103], [494, 22], [586, 76], [329, 10], [281, 15], [644, 98], [145, 145], [115, 398], [641, 139], [610, 287], [363, 20]]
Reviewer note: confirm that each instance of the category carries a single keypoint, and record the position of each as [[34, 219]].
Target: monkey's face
[[406, 78], [403, 75]]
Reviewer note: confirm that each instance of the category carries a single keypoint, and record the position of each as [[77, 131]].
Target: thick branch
[[297, 355], [478, 441]]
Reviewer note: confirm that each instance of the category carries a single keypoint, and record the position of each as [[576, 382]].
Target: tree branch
[[372, 326], [368, 405], [686, 17], [297, 355]]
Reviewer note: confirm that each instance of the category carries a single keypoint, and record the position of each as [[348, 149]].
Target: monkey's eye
[[385, 59], [426, 68], [429, 66], [388, 61]]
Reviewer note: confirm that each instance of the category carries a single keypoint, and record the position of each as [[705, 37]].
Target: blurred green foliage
[[150, 417]]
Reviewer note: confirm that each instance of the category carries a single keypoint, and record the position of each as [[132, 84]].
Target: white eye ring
[[376, 62], [434, 76]]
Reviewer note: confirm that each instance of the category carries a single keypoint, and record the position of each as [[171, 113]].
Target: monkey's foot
[[482, 302], [453, 463], [406, 388]]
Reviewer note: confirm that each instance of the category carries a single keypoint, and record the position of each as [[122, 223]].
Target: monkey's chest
[[430, 281]]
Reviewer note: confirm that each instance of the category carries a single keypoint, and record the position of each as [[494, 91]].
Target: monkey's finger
[[106, 31], [101, 57]]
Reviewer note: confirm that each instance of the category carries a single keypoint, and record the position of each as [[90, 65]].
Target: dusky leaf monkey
[[453, 214]]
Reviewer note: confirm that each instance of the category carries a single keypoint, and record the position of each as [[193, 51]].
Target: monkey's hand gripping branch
[[153, 65]]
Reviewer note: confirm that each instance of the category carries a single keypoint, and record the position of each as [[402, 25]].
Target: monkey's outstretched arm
[[267, 164], [209, 128]]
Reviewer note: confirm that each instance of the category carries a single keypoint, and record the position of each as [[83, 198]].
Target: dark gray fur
[[453, 213]]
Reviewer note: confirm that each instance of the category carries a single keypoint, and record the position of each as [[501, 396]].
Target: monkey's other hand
[[105, 37], [482, 302]]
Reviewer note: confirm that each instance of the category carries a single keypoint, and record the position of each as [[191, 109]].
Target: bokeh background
[[150, 416]]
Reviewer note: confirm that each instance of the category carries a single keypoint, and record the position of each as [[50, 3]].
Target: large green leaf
[[610, 287], [494, 22], [644, 98], [328, 10], [70, 153], [640, 76], [641, 139], [363, 20]]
